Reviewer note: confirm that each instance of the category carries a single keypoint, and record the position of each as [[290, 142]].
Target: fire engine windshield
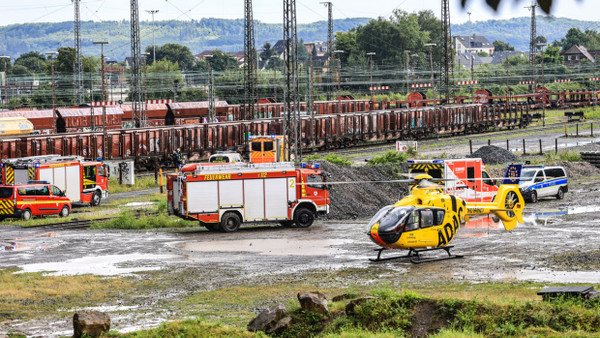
[[315, 181], [392, 219]]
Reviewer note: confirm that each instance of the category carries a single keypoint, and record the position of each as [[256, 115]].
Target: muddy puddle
[[277, 247], [109, 265]]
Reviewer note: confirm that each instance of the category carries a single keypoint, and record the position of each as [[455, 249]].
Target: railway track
[[79, 224], [370, 148]]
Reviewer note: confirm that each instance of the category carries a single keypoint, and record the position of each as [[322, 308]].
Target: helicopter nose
[[384, 238]]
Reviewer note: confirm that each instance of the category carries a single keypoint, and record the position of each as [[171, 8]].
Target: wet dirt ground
[[200, 260], [271, 252]]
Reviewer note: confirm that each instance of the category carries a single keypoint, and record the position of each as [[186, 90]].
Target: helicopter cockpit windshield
[[393, 219]]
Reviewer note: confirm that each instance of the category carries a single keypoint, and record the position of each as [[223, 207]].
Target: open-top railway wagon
[[326, 131]]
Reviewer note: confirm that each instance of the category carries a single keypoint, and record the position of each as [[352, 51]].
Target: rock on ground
[[270, 320], [494, 155], [90, 323], [362, 199], [313, 301]]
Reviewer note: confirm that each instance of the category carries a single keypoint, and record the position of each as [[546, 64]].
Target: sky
[[270, 11]]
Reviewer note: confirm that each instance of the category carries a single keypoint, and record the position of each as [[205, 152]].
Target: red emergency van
[[465, 178], [27, 200]]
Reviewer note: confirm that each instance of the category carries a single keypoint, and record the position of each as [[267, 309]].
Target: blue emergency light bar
[[316, 166]]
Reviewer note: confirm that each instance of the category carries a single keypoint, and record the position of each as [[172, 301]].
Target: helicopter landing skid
[[415, 255]]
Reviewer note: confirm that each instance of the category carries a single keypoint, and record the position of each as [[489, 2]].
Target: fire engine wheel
[[96, 198], [26, 215], [304, 218], [64, 212], [230, 222]]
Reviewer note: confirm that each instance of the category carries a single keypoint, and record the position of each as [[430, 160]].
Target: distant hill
[[224, 34], [227, 35], [516, 31]]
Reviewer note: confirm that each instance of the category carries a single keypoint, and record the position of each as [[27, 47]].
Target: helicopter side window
[[426, 218], [412, 222], [439, 217]]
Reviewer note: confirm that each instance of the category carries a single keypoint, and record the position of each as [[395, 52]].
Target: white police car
[[541, 181]]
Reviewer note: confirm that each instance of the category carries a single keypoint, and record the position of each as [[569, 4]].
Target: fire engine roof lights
[[314, 166]]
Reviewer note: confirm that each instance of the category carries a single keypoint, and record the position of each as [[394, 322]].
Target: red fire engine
[[83, 181], [222, 197]]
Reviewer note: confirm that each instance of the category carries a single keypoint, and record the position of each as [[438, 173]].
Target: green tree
[[589, 39], [267, 51], [35, 62], [163, 80], [501, 46], [173, 52]]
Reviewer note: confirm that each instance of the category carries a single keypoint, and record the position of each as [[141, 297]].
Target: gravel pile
[[358, 200], [494, 155]]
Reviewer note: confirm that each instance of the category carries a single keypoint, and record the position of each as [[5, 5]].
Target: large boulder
[[313, 301], [90, 323], [271, 320]]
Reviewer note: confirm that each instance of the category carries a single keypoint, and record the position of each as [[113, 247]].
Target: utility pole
[[152, 12], [532, 45], [77, 66], [273, 59], [431, 45], [250, 76], [329, 6], [310, 87], [507, 85], [448, 63], [102, 43], [5, 57], [370, 55], [211, 93], [291, 124], [541, 47], [407, 70], [51, 54], [139, 117]]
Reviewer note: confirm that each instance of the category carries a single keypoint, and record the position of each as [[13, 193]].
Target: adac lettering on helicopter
[[474, 210], [446, 234]]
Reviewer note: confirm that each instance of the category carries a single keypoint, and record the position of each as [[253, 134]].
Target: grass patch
[[142, 183], [33, 295], [390, 157], [332, 158], [190, 328], [127, 219]]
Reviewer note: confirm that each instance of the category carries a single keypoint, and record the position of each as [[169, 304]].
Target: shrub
[[390, 157]]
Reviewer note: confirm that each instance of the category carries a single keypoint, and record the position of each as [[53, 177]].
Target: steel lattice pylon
[[135, 87], [77, 66], [329, 6], [291, 117], [532, 43], [447, 82], [250, 77]]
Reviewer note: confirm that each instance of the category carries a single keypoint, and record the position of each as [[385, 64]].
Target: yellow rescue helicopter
[[428, 219]]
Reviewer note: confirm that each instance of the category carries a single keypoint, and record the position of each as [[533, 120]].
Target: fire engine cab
[[36, 199], [83, 181], [465, 178], [222, 197]]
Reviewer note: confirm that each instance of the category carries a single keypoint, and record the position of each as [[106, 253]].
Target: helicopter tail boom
[[507, 205]]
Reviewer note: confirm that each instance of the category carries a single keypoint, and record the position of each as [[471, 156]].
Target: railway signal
[[379, 88]]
